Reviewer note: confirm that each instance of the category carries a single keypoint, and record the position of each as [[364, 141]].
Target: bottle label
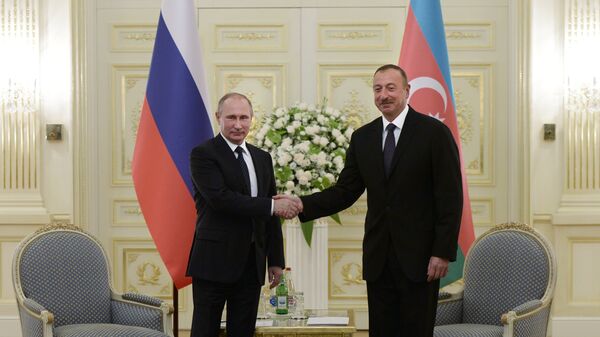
[[282, 302]]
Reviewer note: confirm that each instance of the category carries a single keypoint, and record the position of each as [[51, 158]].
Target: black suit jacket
[[417, 209], [228, 217]]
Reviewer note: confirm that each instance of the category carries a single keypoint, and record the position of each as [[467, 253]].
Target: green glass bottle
[[282, 297]]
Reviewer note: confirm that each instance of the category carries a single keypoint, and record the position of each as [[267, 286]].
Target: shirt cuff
[[272, 206]]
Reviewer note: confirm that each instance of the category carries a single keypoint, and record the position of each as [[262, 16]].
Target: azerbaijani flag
[[174, 120], [424, 57]]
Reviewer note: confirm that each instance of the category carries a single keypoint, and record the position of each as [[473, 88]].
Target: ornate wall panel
[[345, 274], [354, 36], [7, 248], [133, 37], [138, 268], [264, 85], [127, 212], [250, 37], [585, 283], [128, 88], [483, 211], [475, 117], [469, 35], [349, 88]]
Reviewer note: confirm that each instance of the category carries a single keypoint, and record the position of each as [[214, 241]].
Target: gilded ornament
[[148, 273], [352, 273]]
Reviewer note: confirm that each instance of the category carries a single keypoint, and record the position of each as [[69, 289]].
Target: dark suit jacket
[[228, 216], [418, 209]]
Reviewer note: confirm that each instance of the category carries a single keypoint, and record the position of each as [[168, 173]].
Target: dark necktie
[[388, 148], [239, 150]]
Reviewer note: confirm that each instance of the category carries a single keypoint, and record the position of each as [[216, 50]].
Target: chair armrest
[[36, 321], [144, 311], [531, 320], [527, 307], [141, 298]]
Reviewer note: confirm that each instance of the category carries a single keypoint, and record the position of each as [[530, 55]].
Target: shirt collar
[[398, 121], [233, 146]]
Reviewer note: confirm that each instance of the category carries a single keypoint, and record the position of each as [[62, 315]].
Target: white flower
[[348, 132], [299, 157], [304, 128], [279, 123]]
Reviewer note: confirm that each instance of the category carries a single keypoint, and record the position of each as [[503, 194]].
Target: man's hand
[[438, 268], [292, 198], [274, 276], [285, 208]]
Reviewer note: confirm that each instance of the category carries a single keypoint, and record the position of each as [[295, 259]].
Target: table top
[[286, 324]]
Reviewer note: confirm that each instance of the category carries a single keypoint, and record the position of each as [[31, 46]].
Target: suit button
[[388, 208]]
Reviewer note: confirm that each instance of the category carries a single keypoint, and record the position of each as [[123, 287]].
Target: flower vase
[[309, 264]]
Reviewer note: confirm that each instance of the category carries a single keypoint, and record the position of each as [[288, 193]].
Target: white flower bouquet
[[308, 144]]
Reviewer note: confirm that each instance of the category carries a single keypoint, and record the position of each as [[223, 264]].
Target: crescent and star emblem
[[423, 82]]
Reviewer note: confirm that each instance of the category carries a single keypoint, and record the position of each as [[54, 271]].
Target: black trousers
[[242, 303], [399, 307]]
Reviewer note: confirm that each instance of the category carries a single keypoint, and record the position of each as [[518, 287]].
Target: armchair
[[509, 279], [62, 283]]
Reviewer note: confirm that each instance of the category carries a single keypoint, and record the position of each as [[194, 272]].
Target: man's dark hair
[[395, 67]]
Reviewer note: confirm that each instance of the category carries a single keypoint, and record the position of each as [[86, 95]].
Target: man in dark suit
[[409, 164], [237, 228]]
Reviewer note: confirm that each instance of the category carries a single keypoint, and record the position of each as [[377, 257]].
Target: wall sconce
[[53, 131]]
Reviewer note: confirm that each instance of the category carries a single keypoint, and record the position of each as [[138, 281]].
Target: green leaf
[[326, 182], [274, 137], [314, 149], [336, 218], [307, 230]]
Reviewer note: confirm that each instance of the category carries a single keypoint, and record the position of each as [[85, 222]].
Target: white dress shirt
[[251, 169], [398, 122]]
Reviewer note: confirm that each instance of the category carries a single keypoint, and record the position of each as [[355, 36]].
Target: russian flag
[[174, 120], [424, 57]]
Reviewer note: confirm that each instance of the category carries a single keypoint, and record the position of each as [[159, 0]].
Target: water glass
[[299, 309]]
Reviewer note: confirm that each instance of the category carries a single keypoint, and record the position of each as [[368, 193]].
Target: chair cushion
[[467, 330], [105, 330], [66, 273], [503, 270]]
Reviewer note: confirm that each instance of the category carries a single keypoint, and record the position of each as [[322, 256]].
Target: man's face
[[235, 119], [390, 93]]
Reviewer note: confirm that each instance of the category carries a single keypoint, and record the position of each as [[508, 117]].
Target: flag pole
[[176, 311]]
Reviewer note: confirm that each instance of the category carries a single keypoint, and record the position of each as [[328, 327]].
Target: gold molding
[[248, 37], [268, 75], [463, 31], [134, 211], [141, 36], [351, 273], [352, 34], [490, 204], [484, 74], [121, 82]]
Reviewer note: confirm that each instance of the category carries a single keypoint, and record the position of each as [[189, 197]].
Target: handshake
[[287, 206]]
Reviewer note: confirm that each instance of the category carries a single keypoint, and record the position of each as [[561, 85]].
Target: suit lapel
[[405, 135], [231, 162]]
